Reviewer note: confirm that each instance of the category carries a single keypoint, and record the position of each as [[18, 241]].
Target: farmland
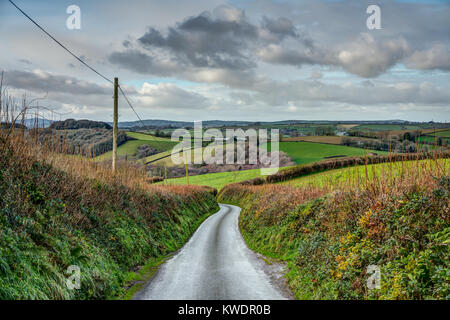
[[337, 178], [308, 152], [216, 180], [130, 148], [300, 152], [443, 133], [319, 139], [328, 237]]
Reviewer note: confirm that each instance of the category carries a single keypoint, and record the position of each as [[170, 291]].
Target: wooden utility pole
[[115, 125]]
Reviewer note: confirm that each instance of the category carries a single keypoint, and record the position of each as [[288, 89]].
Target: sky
[[254, 60]]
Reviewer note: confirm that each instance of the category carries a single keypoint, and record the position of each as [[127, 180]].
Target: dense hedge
[[329, 242], [303, 170], [50, 220]]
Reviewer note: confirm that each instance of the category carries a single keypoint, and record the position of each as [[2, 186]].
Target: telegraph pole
[[115, 125]]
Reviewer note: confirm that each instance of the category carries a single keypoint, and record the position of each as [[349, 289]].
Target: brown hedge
[[330, 164]]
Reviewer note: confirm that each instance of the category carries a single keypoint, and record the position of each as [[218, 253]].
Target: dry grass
[[329, 235], [388, 179], [28, 144]]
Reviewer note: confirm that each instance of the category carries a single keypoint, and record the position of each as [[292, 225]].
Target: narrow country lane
[[215, 264]]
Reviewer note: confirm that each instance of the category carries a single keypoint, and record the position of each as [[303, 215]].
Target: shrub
[[57, 211], [401, 225]]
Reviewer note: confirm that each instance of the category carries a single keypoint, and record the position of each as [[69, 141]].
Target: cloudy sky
[[234, 60]]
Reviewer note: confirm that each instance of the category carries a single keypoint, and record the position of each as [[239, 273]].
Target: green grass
[[433, 139], [167, 160], [328, 243], [135, 281], [445, 133], [341, 176], [216, 180], [309, 152], [130, 147], [51, 219]]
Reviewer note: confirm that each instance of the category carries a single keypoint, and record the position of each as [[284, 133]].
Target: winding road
[[216, 264]]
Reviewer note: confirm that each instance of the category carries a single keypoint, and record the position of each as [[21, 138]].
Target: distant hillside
[[159, 123], [221, 123], [72, 124], [181, 124], [87, 142]]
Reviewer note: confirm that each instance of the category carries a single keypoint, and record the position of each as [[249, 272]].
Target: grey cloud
[[222, 39], [38, 81], [276, 54], [281, 93], [204, 41], [412, 33], [127, 43], [364, 56], [226, 40], [281, 26], [133, 60], [144, 63], [437, 57], [25, 61], [71, 94]]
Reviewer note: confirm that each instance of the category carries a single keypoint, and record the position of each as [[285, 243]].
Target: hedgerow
[[329, 240], [51, 219]]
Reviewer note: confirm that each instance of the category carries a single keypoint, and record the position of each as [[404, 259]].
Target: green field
[[215, 180], [346, 176], [308, 152], [433, 139], [444, 133], [130, 147]]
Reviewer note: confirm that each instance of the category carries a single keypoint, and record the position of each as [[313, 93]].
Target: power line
[[79, 59], [64, 47], [128, 101]]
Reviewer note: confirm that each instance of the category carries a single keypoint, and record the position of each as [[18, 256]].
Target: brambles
[[50, 219], [144, 150], [400, 225], [58, 210]]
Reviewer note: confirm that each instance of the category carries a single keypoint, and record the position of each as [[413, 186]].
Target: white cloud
[[169, 96]]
